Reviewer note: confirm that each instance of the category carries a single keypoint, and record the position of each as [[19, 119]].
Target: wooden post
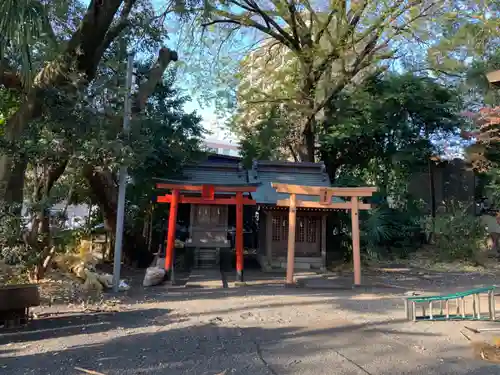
[[356, 252], [323, 243], [479, 306], [239, 236], [291, 240], [493, 306], [269, 238], [150, 229], [172, 220]]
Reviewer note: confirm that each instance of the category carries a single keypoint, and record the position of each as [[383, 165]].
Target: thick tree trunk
[[309, 139], [39, 238], [105, 192], [331, 164], [82, 56], [102, 182], [12, 168], [306, 149], [15, 188]]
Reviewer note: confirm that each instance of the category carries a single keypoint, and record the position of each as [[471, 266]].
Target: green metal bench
[[430, 303]]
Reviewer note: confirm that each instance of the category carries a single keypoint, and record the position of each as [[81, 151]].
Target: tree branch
[[353, 19], [117, 29], [165, 56], [325, 26], [294, 44], [9, 77], [292, 151], [271, 28], [86, 42], [293, 21]]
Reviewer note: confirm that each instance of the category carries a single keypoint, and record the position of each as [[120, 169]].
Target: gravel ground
[[253, 330]]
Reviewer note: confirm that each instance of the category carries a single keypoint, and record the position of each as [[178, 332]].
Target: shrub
[[456, 233], [389, 232]]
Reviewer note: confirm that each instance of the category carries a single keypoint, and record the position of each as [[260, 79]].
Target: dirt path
[[256, 330]]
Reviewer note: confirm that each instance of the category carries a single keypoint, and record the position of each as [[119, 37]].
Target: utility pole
[[122, 184]]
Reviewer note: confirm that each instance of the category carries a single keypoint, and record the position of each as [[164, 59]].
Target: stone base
[[301, 264]]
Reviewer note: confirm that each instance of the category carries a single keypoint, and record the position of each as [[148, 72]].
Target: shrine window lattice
[[306, 229]]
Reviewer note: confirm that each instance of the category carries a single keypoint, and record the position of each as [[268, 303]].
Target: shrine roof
[[209, 173], [267, 172]]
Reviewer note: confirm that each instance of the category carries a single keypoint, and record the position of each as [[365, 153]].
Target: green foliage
[[479, 91], [11, 226], [394, 114], [392, 232], [456, 233], [162, 142], [271, 138], [9, 102], [381, 132], [24, 24], [296, 53], [468, 30]]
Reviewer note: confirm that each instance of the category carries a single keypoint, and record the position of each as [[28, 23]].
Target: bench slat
[[452, 296]]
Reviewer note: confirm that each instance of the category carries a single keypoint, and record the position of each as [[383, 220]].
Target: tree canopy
[[366, 86]]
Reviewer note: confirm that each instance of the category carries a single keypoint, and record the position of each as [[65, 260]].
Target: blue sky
[[208, 110], [193, 82]]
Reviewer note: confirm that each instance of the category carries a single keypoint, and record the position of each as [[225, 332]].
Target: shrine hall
[[233, 212]]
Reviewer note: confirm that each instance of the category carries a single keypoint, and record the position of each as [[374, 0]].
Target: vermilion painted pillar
[[239, 236], [172, 220]]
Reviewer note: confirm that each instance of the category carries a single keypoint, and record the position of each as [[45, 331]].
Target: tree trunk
[[102, 182], [11, 168], [15, 188], [331, 164], [309, 139], [39, 239], [305, 147], [85, 48], [106, 194]]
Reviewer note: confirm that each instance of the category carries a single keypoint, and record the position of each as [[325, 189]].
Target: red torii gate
[[208, 192]]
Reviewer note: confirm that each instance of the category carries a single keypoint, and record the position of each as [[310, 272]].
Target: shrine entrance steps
[[205, 278], [206, 258]]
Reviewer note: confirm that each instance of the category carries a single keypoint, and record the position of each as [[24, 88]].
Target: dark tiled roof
[[226, 174], [216, 173], [267, 172], [263, 173], [218, 158]]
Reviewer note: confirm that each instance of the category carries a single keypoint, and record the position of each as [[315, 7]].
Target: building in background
[[494, 78], [222, 147], [220, 140]]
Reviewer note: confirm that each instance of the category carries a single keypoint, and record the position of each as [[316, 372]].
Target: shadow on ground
[[359, 301], [134, 343], [222, 335], [86, 323]]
